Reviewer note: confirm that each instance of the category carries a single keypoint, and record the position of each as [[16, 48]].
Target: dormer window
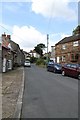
[[75, 43]]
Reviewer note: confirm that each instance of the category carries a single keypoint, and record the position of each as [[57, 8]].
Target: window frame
[[76, 43]]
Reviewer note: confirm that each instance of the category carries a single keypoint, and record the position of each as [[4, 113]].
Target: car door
[[50, 66], [73, 70], [67, 69]]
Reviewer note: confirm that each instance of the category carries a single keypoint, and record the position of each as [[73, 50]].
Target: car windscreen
[[50, 63], [57, 65], [27, 62]]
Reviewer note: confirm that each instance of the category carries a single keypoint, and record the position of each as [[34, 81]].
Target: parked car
[[54, 67], [71, 70], [27, 64]]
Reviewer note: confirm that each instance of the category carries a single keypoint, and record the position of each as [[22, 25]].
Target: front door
[[4, 64]]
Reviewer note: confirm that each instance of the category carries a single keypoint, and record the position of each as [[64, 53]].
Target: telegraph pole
[[47, 45]]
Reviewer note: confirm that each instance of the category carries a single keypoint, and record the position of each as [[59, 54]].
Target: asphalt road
[[49, 95]]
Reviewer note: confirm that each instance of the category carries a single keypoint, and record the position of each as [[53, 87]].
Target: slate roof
[[69, 39], [14, 45]]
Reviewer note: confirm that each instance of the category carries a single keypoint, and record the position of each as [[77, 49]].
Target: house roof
[[77, 30], [14, 45], [69, 39]]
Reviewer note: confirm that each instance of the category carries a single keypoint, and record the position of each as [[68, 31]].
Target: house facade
[[22, 57], [7, 53], [68, 49], [18, 54], [12, 55]]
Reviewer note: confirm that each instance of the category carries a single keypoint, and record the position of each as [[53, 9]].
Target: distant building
[[27, 55], [33, 53]]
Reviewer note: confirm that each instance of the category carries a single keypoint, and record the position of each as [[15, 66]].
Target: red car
[[71, 70]]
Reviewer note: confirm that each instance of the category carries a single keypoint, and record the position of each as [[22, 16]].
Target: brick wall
[[66, 52]]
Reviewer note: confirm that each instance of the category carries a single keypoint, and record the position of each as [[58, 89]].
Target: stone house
[[22, 57], [18, 56], [12, 55], [7, 53], [68, 49], [7, 59]]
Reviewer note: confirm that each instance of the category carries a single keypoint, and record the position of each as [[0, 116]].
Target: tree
[[76, 30], [39, 48]]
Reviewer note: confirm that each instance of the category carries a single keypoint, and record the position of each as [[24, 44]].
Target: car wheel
[[79, 76], [63, 73], [54, 70]]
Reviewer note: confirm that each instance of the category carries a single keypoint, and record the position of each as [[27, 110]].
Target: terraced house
[[12, 56], [68, 49]]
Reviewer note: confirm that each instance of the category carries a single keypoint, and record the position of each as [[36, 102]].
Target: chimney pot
[[8, 36], [4, 34]]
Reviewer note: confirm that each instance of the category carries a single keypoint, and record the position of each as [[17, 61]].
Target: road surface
[[49, 95]]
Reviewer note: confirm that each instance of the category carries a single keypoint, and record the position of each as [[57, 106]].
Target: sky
[[29, 21]]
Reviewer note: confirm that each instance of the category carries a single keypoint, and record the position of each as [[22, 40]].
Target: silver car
[[27, 64]]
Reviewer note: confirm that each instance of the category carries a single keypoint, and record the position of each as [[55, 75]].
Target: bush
[[40, 62], [33, 60]]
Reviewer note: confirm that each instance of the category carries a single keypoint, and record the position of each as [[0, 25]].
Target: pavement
[[12, 93]]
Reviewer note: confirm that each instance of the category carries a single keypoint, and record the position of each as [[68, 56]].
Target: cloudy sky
[[29, 21]]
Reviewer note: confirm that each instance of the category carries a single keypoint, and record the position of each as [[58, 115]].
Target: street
[[49, 95]]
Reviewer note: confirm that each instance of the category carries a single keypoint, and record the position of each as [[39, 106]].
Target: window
[[74, 57], [63, 47], [75, 43], [60, 58], [77, 56]]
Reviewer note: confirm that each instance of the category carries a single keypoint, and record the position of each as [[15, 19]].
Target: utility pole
[[47, 45]]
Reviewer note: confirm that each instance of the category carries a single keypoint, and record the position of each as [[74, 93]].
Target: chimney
[[8, 36], [4, 35]]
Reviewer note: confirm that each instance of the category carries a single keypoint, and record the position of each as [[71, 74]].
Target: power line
[[11, 32], [4, 28]]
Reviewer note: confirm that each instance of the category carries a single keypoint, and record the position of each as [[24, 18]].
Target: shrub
[[33, 59], [40, 62]]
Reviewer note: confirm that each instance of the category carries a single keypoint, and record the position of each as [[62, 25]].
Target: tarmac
[[12, 93]]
